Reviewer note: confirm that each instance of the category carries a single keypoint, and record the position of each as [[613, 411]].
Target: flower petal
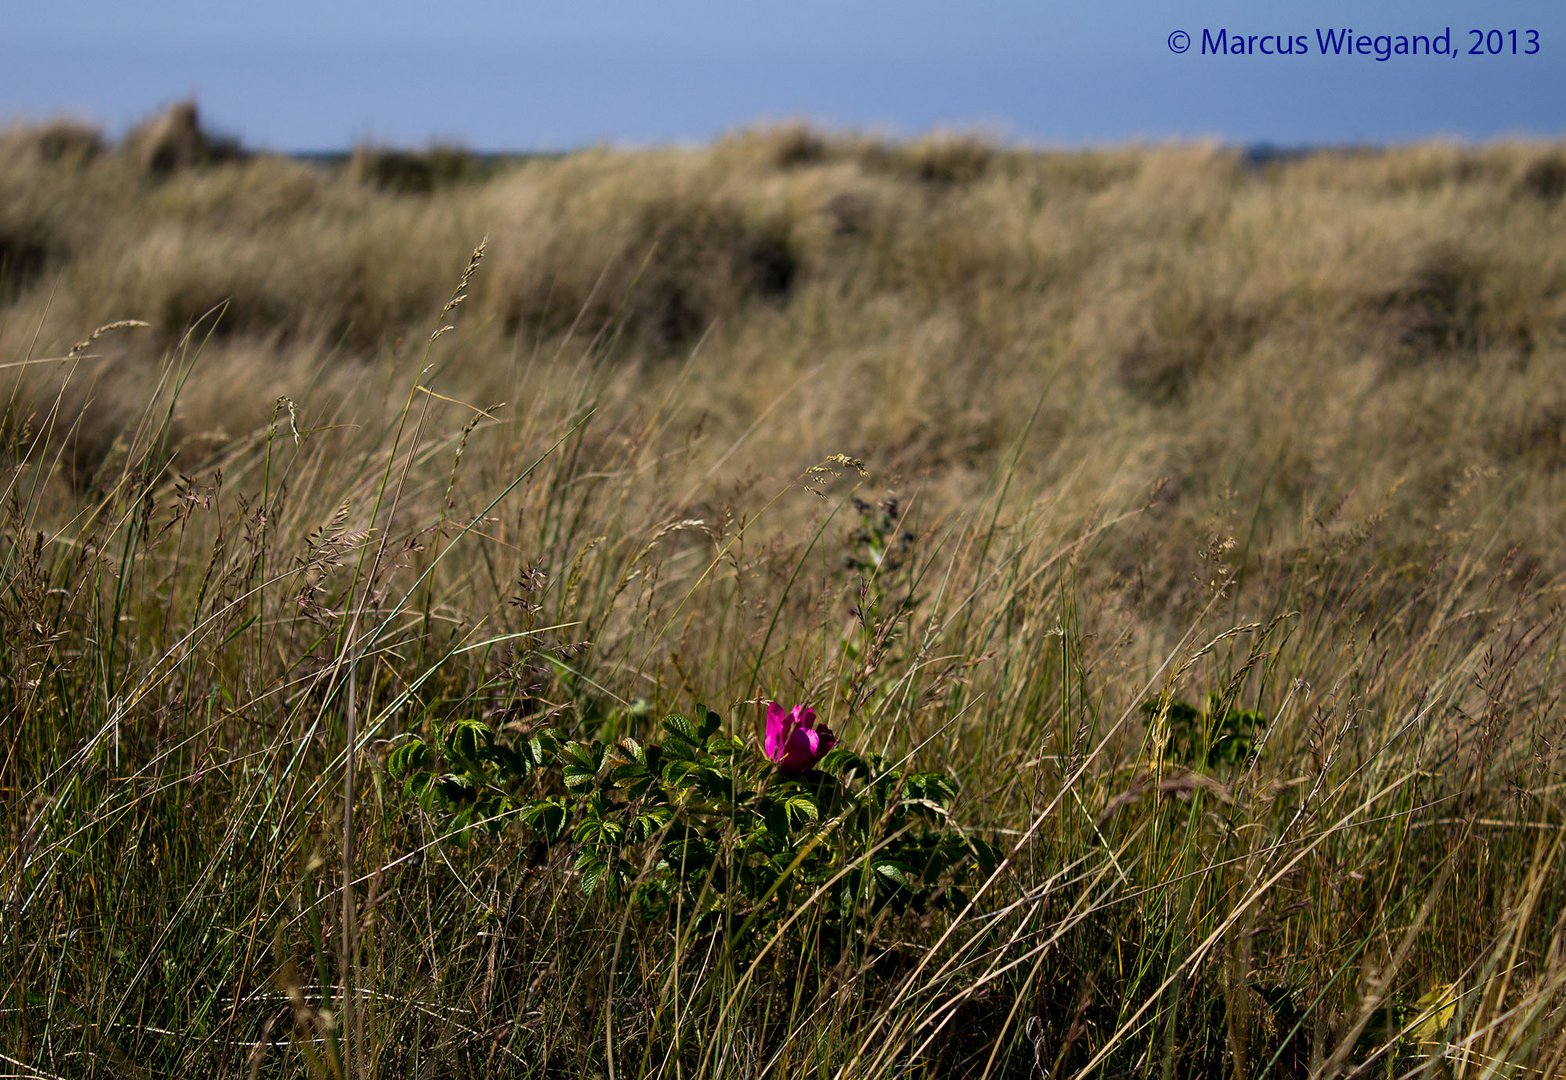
[[799, 752], [827, 739], [777, 731]]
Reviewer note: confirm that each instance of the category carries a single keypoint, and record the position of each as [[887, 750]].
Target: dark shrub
[[1186, 339], [67, 142], [1437, 308], [687, 263], [414, 172], [942, 160], [1545, 177]]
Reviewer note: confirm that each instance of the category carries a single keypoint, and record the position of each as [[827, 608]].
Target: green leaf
[[802, 807], [406, 758], [677, 772], [775, 813], [548, 816], [892, 874], [680, 727], [512, 763], [545, 745], [420, 785], [579, 764], [460, 822], [714, 784], [592, 867], [840, 759], [456, 788], [467, 738], [626, 775], [497, 809], [533, 750], [935, 787], [581, 754], [986, 855], [724, 746], [649, 821]]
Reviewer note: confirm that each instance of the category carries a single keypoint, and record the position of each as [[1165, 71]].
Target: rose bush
[[698, 820]]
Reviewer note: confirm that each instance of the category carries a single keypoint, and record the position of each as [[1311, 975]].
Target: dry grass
[[1165, 422]]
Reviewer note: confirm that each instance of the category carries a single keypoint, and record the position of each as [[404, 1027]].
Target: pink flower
[[794, 740]]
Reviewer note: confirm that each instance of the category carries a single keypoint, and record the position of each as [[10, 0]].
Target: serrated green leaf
[[592, 868], [839, 760], [409, 756], [892, 874], [677, 772], [935, 787], [467, 738], [580, 754], [495, 811], [714, 784], [723, 746], [680, 727], [419, 785], [655, 817], [627, 775], [803, 807], [775, 815]]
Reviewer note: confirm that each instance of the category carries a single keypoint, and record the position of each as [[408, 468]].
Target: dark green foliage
[[880, 545], [699, 822], [1222, 736]]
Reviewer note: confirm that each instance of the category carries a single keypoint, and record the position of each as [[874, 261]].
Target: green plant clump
[[1223, 735], [701, 823]]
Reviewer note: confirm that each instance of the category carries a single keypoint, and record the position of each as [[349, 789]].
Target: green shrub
[[699, 823]]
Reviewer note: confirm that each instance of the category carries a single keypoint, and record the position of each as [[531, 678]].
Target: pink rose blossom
[[794, 740]]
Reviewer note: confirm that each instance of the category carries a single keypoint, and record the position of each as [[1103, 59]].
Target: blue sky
[[291, 75]]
